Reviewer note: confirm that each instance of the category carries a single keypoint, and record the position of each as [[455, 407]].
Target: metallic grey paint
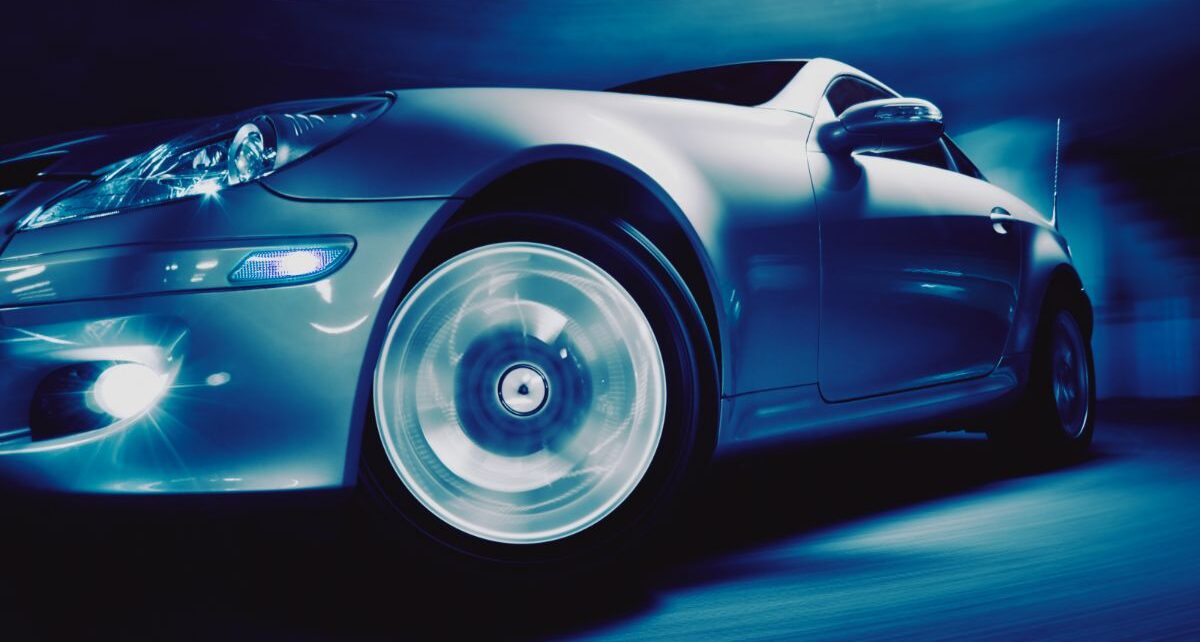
[[851, 294]]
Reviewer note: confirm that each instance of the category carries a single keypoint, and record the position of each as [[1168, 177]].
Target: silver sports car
[[519, 321]]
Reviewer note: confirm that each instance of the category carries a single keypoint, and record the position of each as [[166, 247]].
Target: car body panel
[[736, 177], [919, 278], [140, 269], [789, 414], [917, 289], [271, 385]]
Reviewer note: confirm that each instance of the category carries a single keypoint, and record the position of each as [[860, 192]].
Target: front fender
[[735, 178], [1048, 260]]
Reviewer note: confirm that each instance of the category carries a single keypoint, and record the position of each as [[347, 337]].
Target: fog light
[[128, 389]]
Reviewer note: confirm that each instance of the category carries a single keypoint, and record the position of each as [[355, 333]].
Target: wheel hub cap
[[1069, 376], [521, 393], [523, 390]]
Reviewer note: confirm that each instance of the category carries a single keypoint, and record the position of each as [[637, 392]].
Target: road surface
[[927, 538]]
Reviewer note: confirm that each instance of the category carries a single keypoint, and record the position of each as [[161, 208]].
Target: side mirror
[[887, 125]]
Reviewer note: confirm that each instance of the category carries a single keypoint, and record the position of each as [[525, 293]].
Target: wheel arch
[[1064, 285], [1058, 282], [1047, 271], [591, 185]]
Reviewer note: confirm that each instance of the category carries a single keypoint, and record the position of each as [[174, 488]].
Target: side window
[[847, 92], [964, 164], [933, 155]]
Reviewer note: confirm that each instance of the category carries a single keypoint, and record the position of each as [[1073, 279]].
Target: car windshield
[[748, 84]]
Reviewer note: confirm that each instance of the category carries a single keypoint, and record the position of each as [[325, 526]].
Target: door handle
[[1000, 220]]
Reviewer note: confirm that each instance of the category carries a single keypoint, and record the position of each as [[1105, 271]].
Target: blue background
[[1121, 75], [925, 539]]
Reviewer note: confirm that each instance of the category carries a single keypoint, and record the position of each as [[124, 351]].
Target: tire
[[560, 406], [1054, 421]]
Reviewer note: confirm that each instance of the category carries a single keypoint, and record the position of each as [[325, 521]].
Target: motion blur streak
[[1103, 550], [922, 539], [1117, 73]]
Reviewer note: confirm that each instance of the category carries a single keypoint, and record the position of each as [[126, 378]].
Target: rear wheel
[[1055, 419], [537, 398]]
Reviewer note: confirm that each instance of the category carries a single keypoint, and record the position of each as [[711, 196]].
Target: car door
[[919, 268]]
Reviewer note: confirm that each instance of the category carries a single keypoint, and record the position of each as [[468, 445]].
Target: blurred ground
[[926, 538]]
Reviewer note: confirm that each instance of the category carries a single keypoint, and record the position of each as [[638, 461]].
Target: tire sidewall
[[656, 290], [1033, 431]]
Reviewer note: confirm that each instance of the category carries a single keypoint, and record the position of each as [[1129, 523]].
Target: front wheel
[[536, 398]]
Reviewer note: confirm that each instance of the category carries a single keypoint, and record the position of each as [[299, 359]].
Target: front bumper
[[269, 385]]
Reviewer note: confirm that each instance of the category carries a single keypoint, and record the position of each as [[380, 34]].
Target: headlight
[[229, 151]]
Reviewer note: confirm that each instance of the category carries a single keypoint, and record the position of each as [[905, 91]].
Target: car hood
[[448, 142], [476, 131]]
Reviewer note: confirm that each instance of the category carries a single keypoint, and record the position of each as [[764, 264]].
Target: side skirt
[[799, 413]]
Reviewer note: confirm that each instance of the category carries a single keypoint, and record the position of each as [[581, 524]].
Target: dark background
[[1121, 75], [928, 538]]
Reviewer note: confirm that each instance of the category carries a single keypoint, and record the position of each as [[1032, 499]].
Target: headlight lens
[[229, 151], [252, 152]]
